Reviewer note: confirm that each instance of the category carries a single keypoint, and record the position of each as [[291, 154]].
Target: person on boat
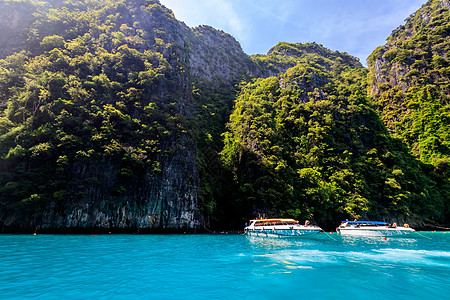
[[307, 223], [394, 225], [406, 225]]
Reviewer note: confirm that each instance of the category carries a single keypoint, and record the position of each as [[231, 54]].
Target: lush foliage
[[87, 94], [285, 55], [410, 78], [311, 138], [411, 81], [122, 85]]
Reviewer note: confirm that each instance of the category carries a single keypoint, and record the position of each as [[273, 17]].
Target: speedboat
[[372, 228], [280, 228]]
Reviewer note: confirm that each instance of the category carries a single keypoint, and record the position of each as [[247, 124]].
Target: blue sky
[[353, 26]]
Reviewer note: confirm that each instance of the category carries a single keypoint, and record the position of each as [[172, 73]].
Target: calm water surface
[[224, 267]]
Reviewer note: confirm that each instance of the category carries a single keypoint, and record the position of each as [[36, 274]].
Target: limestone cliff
[[286, 55], [413, 50], [14, 20], [107, 192], [410, 76], [113, 118]]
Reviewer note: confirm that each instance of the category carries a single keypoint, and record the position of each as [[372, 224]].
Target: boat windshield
[[363, 223], [275, 222]]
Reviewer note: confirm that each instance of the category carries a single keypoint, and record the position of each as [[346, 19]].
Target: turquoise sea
[[224, 266]]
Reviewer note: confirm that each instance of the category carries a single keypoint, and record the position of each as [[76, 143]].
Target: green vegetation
[[410, 79], [285, 55], [88, 95], [116, 106], [312, 138]]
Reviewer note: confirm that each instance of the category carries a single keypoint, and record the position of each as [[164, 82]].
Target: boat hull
[[375, 231], [282, 232]]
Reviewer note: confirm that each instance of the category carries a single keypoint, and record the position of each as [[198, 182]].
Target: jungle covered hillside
[[116, 116]]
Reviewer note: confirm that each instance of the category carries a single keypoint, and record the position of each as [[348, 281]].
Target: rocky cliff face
[[111, 120], [216, 55], [165, 201], [410, 76], [286, 55], [14, 20], [413, 50], [97, 195]]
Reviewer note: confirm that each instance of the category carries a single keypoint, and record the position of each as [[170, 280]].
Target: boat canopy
[[365, 222], [274, 219]]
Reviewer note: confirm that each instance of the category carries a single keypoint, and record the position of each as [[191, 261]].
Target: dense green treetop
[[92, 86], [286, 55], [311, 137], [411, 82], [301, 132]]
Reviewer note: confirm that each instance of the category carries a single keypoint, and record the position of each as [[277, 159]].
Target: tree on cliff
[[312, 138], [115, 115]]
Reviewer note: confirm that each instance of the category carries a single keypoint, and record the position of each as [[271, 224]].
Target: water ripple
[[222, 267]]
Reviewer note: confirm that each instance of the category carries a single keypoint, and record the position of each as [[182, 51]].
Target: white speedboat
[[372, 228], [280, 228]]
